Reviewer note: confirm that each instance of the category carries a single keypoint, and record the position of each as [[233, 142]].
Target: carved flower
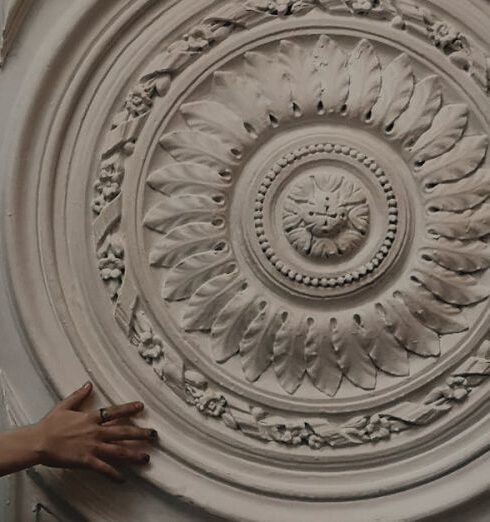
[[111, 265], [459, 388], [363, 7], [139, 100], [151, 346], [377, 428], [211, 404], [325, 216], [222, 300], [445, 37], [198, 39], [315, 441], [281, 7], [107, 186]]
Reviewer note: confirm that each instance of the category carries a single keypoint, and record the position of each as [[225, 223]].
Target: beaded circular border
[[350, 277]]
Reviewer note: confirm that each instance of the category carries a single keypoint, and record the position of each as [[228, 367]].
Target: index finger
[[120, 411]]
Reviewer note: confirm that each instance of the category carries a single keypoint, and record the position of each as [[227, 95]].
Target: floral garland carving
[[120, 144], [316, 433]]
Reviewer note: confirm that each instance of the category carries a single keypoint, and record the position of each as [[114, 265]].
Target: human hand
[[70, 438]]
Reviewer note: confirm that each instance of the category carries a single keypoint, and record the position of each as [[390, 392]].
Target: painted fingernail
[[153, 434]]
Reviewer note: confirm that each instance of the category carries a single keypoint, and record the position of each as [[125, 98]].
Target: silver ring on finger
[[104, 416]]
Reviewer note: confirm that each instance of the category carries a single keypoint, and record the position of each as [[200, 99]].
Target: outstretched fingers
[[116, 452], [120, 433], [77, 398], [120, 411]]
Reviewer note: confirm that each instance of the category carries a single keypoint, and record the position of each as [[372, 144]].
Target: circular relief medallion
[[289, 236], [291, 219], [308, 219]]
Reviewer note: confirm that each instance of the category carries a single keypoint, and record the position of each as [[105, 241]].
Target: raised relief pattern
[[192, 240], [325, 216], [241, 318]]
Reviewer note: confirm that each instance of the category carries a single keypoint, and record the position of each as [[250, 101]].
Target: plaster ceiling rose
[[282, 123], [286, 218]]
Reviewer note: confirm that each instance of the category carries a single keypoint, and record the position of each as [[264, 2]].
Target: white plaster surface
[[217, 468]]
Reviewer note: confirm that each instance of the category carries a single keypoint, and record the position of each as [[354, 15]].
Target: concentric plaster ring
[[324, 157], [220, 430]]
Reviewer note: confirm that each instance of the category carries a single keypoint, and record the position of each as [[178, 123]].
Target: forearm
[[18, 450]]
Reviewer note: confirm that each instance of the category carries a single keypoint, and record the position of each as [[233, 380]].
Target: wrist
[[32, 441]]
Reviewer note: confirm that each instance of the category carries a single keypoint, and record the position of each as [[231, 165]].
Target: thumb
[[76, 399]]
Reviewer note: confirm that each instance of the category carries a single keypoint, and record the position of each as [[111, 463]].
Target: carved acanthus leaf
[[266, 71], [231, 324], [235, 92], [447, 129], [331, 63], [462, 195], [471, 224], [407, 330], [188, 275], [293, 81], [365, 85], [417, 119], [289, 353], [350, 346], [256, 351], [201, 148], [175, 211], [396, 91], [452, 288], [216, 119], [301, 76], [383, 348], [432, 313], [462, 160], [188, 179], [321, 360], [206, 303], [458, 256], [185, 240]]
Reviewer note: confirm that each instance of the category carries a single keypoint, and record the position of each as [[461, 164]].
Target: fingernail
[[87, 385], [139, 405], [146, 459], [153, 434]]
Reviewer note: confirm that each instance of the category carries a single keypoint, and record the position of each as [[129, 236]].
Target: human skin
[[69, 437]]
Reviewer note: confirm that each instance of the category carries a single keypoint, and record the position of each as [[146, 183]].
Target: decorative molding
[[216, 137], [12, 16], [254, 422], [191, 216], [326, 216], [337, 151], [303, 349], [12, 412]]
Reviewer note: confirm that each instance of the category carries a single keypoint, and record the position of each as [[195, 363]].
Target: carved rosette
[[279, 210], [324, 215]]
